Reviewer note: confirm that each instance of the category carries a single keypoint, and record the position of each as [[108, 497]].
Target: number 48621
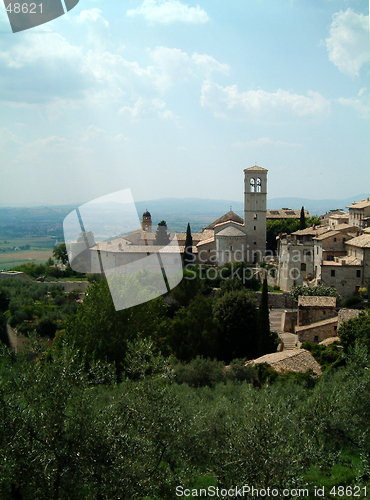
[[348, 491], [25, 8]]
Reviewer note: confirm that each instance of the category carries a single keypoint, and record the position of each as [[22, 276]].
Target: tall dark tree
[[161, 236], [60, 253], [302, 220], [265, 340], [188, 251], [235, 315]]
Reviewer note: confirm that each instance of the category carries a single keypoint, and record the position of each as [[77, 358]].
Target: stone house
[[331, 244], [317, 332], [294, 360], [359, 213], [337, 219], [331, 215], [316, 318], [303, 253], [351, 272], [315, 308], [296, 256]]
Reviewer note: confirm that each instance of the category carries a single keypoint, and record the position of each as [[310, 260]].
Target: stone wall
[[289, 321], [317, 332], [308, 315], [278, 300], [345, 278]]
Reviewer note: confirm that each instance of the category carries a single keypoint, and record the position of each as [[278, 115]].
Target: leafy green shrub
[[199, 372], [327, 356], [324, 291], [238, 371], [352, 301], [46, 327], [356, 330]]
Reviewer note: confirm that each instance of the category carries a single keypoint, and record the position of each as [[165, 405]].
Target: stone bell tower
[[146, 222], [255, 198]]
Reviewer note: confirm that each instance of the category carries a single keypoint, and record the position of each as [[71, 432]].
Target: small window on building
[[335, 239], [255, 243], [255, 217], [252, 185], [255, 227], [231, 248], [303, 266], [316, 338], [332, 272], [317, 250], [358, 273]]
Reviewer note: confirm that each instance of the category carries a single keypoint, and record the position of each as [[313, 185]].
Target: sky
[[175, 98]]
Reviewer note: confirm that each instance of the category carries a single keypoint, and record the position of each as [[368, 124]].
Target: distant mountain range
[[201, 212], [219, 207], [177, 212]]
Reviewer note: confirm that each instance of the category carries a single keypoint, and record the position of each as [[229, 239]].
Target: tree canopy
[[355, 330], [60, 253], [161, 236]]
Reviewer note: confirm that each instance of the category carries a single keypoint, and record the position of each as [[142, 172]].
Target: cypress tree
[[265, 340], [302, 220], [188, 251]]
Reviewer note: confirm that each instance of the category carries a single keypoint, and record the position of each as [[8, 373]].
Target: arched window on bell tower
[[259, 186], [252, 185]]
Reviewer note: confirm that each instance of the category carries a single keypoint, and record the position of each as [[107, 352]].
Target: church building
[[229, 238]]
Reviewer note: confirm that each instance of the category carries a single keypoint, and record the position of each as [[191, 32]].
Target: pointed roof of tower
[[256, 168]]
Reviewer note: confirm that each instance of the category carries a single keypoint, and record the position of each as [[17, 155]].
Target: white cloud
[[225, 101], [8, 139], [348, 44], [361, 103], [209, 64], [96, 134], [145, 108], [97, 27], [172, 65], [48, 47], [169, 11], [264, 141], [34, 67]]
